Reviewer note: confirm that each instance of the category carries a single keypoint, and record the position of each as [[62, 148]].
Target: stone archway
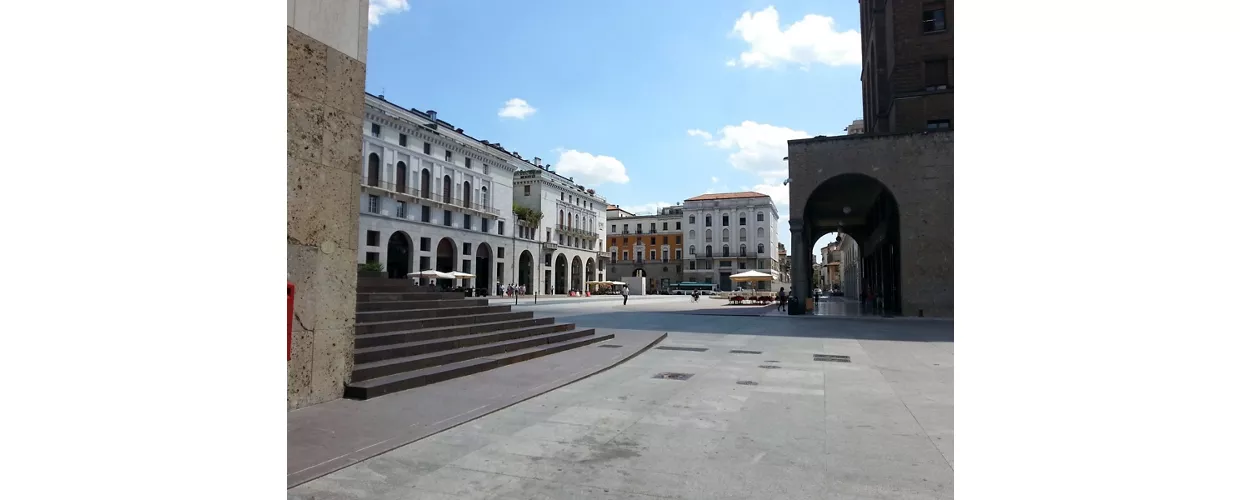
[[525, 270], [590, 273], [445, 260], [561, 274], [577, 282], [893, 196], [399, 255]]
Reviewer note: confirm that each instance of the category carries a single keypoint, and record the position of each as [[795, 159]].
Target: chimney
[[460, 131], [431, 113], [537, 161]]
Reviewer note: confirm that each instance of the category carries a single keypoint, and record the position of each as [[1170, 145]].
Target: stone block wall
[[918, 169], [326, 87]]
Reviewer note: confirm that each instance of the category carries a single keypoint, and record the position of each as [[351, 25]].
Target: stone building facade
[[649, 245], [326, 45], [907, 65]]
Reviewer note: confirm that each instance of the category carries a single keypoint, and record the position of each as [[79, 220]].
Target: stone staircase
[[410, 336]]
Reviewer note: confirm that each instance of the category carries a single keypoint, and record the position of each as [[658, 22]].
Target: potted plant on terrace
[[371, 270]]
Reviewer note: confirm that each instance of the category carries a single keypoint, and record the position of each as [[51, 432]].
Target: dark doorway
[[561, 274], [525, 270], [398, 255], [577, 280], [426, 183], [725, 282], [484, 265]]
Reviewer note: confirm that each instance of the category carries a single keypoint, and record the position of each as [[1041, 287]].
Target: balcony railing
[[414, 192], [576, 231]]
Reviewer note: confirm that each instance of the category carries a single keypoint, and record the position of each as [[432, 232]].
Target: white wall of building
[[566, 208], [758, 234]]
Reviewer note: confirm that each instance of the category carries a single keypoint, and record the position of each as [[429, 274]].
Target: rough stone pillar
[[326, 44], [801, 267]]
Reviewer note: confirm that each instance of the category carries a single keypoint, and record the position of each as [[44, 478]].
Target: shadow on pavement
[[901, 330]]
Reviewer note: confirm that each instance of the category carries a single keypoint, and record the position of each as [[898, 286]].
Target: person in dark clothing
[[781, 299]]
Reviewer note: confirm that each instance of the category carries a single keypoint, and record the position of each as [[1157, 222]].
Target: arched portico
[[893, 195]]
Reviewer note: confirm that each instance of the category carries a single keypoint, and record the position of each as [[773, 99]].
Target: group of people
[[510, 289]]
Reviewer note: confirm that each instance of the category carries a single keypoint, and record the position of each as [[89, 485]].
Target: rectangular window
[[486, 225], [652, 257], [400, 209], [426, 148], [626, 255], [692, 265], [665, 240], [372, 257], [652, 227], [447, 217], [499, 227], [404, 139], [426, 213], [447, 156], [372, 204], [725, 221], [742, 264], [677, 240], [742, 221], [424, 244], [613, 228], [625, 241], [677, 226], [678, 257], [936, 74], [424, 263], [760, 216], [527, 190], [933, 19], [375, 129], [626, 230], [469, 162], [938, 124], [372, 238], [465, 248], [499, 252], [467, 221], [692, 219], [707, 221]]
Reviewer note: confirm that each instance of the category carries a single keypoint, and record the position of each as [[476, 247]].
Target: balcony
[[576, 231]]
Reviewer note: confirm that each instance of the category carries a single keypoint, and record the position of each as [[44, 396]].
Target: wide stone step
[[407, 351], [508, 353], [393, 305], [389, 296], [415, 318], [407, 312], [495, 324]]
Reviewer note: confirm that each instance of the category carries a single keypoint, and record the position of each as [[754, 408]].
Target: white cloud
[[714, 180], [646, 208], [516, 108], [589, 169], [700, 133], [379, 8], [758, 148], [813, 39]]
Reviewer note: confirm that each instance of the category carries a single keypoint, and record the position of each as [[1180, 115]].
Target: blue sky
[[647, 102]]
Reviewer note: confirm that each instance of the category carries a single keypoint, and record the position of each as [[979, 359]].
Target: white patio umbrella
[[459, 274], [430, 273], [751, 276]]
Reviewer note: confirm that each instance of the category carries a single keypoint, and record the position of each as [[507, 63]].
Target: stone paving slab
[[334, 435]]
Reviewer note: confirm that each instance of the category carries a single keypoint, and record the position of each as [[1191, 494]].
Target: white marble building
[[572, 228], [729, 233], [435, 198]]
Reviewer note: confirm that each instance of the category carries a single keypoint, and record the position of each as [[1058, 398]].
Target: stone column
[[802, 269], [326, 46]]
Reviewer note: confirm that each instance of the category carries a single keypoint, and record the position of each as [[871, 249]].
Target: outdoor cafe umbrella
[[751, 276], [459, 274], [430, 273]]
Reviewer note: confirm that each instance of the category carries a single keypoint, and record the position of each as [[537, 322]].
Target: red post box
[[292, 290]]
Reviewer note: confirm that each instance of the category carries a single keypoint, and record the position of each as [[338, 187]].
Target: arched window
[[743, 231], [485, 201], [561, 218], [447, 189], [708, 234], [761, 233], [692, 235], [725, 249], [467, 193], [402, 175], [708, 250], [692, 250], [761, 248], [742, 249], [725, 234], [372, 170]]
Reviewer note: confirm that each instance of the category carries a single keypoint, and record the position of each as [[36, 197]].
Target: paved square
[[877, 426]]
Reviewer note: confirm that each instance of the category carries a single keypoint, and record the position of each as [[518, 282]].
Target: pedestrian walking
[[781, 299], [625, 293]]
